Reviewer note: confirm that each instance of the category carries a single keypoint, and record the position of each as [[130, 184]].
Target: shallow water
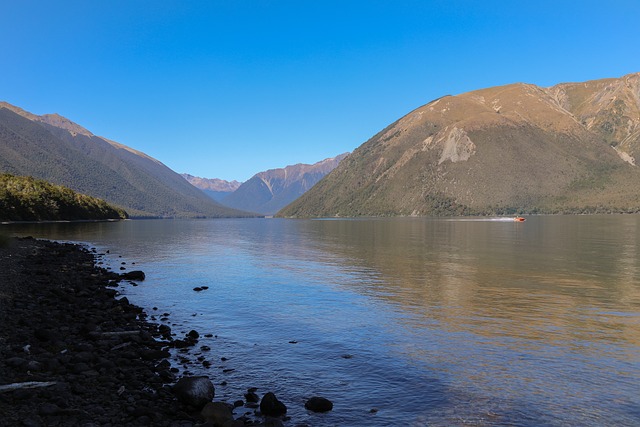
[[413, 322]]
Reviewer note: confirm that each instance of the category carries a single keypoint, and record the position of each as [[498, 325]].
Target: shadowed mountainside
[[53, 148], [517, 148]]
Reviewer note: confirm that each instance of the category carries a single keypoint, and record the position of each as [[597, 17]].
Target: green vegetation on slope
[[30, 199], [93, 165], [497, 151]]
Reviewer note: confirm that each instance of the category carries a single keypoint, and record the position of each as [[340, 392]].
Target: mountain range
[[519, 148], [269, 191], [55, 149], [217, 189]]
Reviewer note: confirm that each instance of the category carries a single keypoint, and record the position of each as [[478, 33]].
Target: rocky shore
[[73, 352]]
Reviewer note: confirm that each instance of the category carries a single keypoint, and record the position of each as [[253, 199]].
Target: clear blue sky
[[225, 89]]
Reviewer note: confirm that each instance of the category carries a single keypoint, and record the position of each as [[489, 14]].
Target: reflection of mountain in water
[[499, 277]]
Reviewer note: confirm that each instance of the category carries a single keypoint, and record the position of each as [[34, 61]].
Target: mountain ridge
[[269, 191], [57, 150], [513, 148], [217, 189]]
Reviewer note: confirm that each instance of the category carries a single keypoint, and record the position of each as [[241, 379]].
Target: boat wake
[[494, 219]]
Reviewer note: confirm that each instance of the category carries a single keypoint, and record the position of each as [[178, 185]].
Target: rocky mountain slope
[[268, 192], [515, 148], [55, 149], [217, 189]]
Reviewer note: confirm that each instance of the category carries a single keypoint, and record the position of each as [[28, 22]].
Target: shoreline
[[71, 353]]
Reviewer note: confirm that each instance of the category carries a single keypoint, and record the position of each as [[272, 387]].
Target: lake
[[407, 321]]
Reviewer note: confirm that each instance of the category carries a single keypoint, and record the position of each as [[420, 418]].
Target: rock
[[17, 362], [270, 406], [154, 354], [217, 413], [273, 422], [43, 334], [133, 275], [251, 396], [48, 409], [318, 404], [193, 334], [194, 391], [34, 365]]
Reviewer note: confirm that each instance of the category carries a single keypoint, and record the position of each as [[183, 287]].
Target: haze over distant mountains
[[269, 191], [55, 149], [516, 148], [215, 188]]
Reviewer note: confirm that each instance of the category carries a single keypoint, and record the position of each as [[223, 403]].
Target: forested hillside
[[29, 199]]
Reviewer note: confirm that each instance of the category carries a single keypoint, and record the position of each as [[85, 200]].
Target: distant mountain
[[29, 199], [268, 192], [518, 148], [217, 189], [55, 149]]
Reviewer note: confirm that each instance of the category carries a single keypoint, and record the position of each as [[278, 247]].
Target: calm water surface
[[417, 322]]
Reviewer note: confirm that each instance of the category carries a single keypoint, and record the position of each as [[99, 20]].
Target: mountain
[[28, 199], [55, 149], [217, 189], [268, 192], [517, 148]]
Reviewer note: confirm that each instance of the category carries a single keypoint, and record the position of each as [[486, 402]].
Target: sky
[[228, 88]]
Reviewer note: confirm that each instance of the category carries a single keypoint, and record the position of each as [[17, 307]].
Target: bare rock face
[[571, 148], [269, 191], [194, 391]]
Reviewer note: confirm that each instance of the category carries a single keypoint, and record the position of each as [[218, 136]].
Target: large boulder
[[194, 391], [318, 404], [270, 406]]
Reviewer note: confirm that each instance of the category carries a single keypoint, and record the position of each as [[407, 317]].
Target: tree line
[[24, 198]]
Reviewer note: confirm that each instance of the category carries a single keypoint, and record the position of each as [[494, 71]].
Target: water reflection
[[453, 322], [548, 274]]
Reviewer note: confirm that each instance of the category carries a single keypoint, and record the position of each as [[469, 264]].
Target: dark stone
[[193, 334], [194, 391], [270, 406], [48, 409], [273, 422], [17, 362], [133, 275], [251, 396], [43, 334], [318, 404], [154, 354], [217, 413]]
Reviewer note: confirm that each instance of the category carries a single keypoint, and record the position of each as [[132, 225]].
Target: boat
[[519, 219]]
